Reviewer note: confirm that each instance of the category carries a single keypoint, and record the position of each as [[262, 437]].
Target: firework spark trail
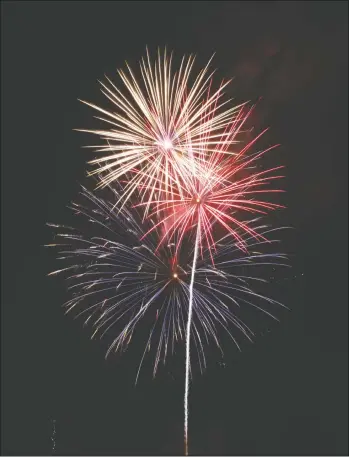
[[187, 352], [53, 436]]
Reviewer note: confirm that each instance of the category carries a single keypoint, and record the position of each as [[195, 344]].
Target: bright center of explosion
[[167, 144], [175, 275]]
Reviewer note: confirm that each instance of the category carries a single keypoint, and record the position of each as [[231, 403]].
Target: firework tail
[[187, 355]]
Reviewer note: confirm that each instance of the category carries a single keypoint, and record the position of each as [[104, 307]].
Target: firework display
[[172, 243]]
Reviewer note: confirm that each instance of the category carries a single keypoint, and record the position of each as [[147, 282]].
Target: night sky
[[286, 394]]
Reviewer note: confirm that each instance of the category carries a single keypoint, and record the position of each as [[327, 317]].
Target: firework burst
[[160, 126], [216, 195], [116, 283]]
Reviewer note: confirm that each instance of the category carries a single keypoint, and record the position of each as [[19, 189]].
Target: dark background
[[287, 393]]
